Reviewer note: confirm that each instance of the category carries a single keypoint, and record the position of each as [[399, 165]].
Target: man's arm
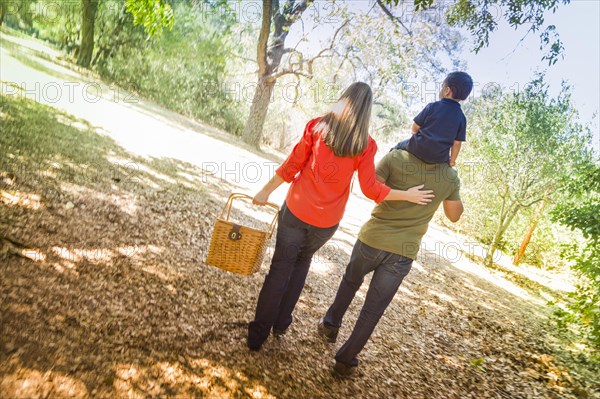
[[453, 210]]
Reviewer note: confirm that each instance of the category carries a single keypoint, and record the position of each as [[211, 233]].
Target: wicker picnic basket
[[236, 248]]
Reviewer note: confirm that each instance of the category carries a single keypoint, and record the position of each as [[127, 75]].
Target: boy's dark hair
[[460, 83]]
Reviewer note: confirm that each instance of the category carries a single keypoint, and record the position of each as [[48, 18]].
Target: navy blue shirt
[[442, 122]]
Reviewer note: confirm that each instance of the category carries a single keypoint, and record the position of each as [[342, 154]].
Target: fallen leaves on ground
[[114, 300]]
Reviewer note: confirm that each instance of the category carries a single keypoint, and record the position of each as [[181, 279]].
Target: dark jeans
[[389, 271], [296, 244]]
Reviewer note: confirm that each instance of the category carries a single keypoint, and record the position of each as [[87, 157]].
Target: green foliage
[[481, 18], [183, 69], [580, 210], [533, 147], [57, 23], [419, 4], [19, 14], [153, 15], [522, 147]]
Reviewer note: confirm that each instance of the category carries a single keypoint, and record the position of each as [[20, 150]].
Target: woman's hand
[[418, 196], [261, 198]]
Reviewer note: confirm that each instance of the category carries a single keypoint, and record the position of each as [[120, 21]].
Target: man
[[387, 245]]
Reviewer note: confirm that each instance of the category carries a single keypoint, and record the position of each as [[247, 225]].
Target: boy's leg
[[401, 145], [363, 260], [315, 239], [385, 283], [290, 236]]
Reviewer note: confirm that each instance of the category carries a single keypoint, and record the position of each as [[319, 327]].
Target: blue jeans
[[296, 244], [389, 271], [402, 145]]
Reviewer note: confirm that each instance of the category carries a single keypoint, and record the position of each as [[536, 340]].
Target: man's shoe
[[278, 334], [328, 333], [342, 370]]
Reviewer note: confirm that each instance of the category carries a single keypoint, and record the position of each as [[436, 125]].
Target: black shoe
[[254, 348], [342, 370], [278, 334], [328, 333]]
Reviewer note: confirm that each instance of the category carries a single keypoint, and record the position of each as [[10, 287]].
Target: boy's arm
[[454, 152], [414, 128]]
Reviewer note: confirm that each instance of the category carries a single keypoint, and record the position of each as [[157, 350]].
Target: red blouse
[[321, 180]]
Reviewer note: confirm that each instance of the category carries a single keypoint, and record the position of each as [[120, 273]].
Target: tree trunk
[[268, 58], [529, 232], [2, 11], [283, 135], [107, 51], [86, 50], [505, 221], [258, 112]]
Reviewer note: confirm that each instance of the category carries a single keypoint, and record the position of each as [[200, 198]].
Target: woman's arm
[[299, 155], [413, 194], [262, 197], [291, 166], [373, 186]]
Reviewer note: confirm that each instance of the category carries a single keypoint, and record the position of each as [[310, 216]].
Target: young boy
[[440, 127]]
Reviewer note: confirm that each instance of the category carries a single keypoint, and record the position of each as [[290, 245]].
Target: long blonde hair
[[345, 129]]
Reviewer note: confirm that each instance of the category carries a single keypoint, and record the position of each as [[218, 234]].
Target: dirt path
[[107, 206]]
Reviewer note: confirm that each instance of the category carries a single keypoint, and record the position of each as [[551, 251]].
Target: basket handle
[[233, 196]]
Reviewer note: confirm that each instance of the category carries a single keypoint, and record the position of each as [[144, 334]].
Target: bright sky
[[512, 64]]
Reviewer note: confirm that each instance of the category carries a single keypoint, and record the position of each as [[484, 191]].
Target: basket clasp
[[234, 233]]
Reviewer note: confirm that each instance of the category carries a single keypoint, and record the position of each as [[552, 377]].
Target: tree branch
[[299, 8], [309, 63], [241, 57], [344, 59], [393, 17], [330, 47], [275, 76]]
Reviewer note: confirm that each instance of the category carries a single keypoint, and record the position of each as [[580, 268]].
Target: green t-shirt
[[399, 226]]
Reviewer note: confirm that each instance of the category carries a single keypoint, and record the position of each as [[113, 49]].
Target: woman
[[320, 168]]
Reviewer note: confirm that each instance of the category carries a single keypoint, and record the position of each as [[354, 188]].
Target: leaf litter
[[104, 293]]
